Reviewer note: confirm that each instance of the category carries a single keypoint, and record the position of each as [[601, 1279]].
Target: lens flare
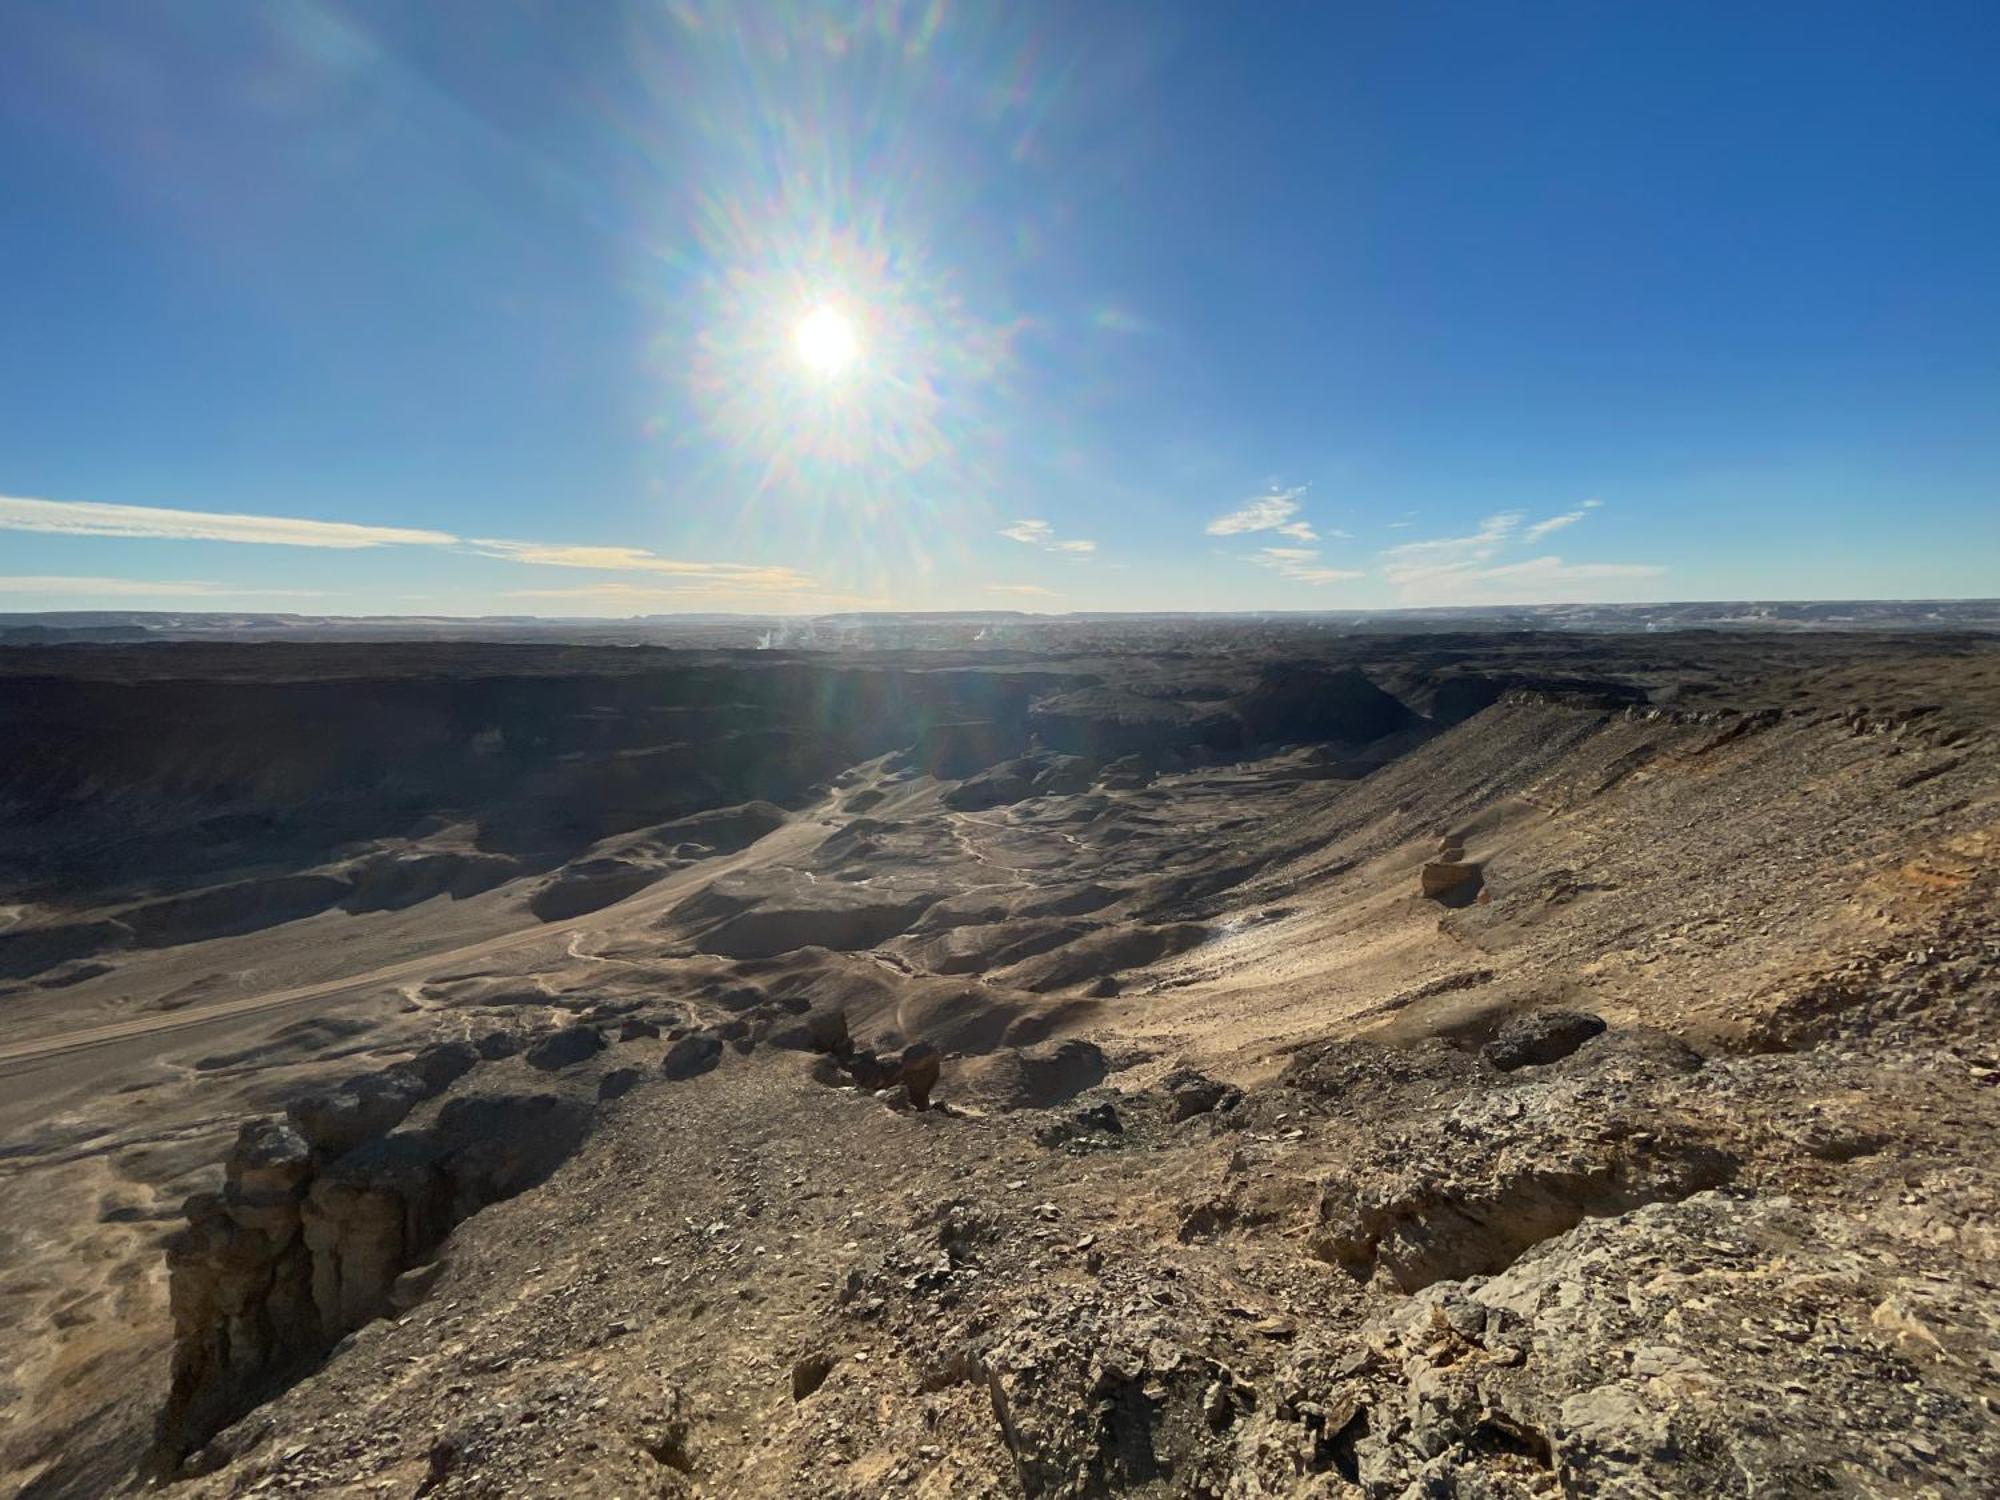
[[826, 342], [838, 345]]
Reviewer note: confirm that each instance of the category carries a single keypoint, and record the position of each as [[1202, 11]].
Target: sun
[[826, 341]]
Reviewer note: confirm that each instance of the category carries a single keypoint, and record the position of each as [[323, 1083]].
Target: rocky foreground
[[1569, 1093]]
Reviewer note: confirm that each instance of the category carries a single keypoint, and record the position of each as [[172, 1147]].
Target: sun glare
[[826, 342]]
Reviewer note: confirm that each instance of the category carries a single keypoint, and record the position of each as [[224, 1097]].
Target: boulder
[[361, 1109], [442, 1064], [1440, 877], [619, 1082], [692, 1056], [921, 1067], [1191, 1092], [1541, 1037], [497, 1044], [565, 1048]]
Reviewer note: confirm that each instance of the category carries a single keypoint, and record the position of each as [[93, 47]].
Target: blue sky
[[507, 308]]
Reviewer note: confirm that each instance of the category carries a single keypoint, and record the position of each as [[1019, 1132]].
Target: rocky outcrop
[[1680, 1349], [1190, 1092], [319, 1216], [1464, 1193], [1443, 877]]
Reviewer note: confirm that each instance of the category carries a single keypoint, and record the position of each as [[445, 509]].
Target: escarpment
[[134, 796]]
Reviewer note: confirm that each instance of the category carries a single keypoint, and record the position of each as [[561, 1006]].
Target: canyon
[[1250, 1060]]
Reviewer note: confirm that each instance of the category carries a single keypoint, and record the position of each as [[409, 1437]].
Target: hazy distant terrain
[[1006, 627]]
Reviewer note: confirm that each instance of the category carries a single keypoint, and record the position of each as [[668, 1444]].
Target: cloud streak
[[1465, 569], [1556, 523], [90, 518], [1278, 513], [1413, 562], [1301, 565], [1031, 532], [139, 588], [744, 576], [1265, 513]]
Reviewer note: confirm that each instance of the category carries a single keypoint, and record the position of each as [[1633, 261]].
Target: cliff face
[[134, 805], [105, 784]]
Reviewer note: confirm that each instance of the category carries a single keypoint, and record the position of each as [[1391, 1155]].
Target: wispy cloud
[[1026, 590], [744, 576], [1464, 569], [90, 518], [1036, 533], [1264, 513], [1278, 513], [1413, 562], [1301, 565], [59, 586], [1556, 523]]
